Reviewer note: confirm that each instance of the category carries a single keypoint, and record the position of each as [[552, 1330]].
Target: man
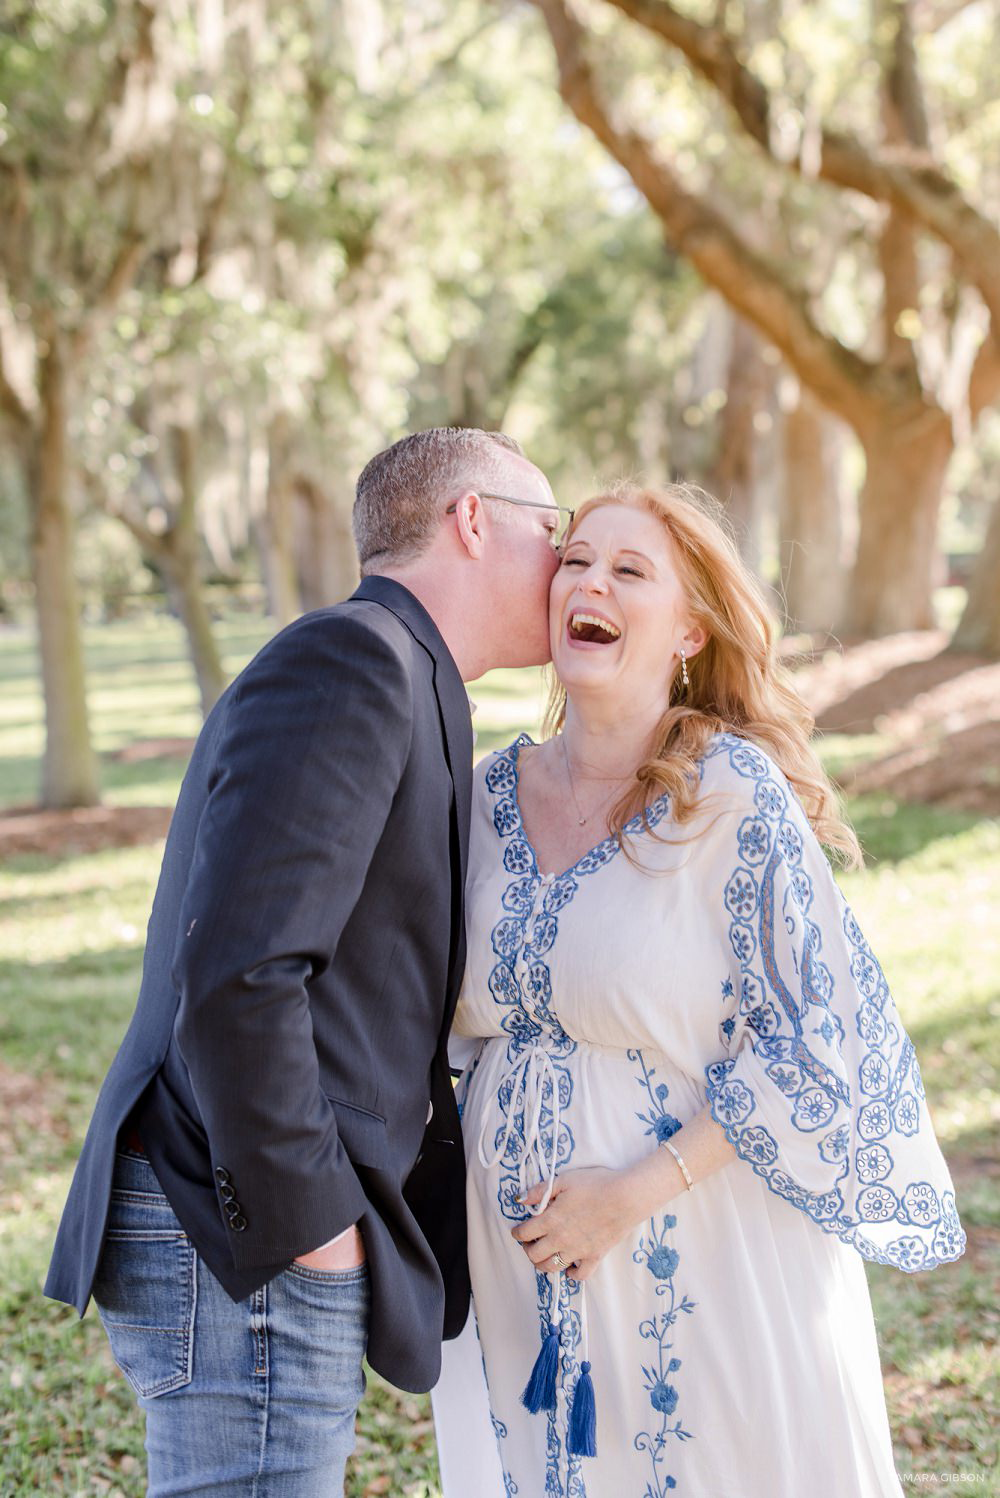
[[272, 1182]]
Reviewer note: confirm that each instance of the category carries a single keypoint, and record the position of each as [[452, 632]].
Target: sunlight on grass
[[140, 685]]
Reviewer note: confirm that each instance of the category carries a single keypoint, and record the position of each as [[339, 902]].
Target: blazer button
[[226, 1192], [238, 1224], [222, 1175], [233, 1208]]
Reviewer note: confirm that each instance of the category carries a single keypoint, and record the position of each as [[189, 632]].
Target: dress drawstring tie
[[528, 1078]]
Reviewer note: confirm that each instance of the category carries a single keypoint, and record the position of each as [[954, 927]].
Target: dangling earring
[[685, 678]]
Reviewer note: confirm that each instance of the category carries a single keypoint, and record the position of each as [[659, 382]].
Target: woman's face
[[617, 613]]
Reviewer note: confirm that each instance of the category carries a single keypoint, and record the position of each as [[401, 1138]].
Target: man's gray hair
[[402, 492]]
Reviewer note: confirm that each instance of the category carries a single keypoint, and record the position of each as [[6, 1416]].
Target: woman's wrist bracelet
[[688, 1182]]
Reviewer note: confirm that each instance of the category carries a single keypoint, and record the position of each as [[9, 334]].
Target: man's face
[[524, 559]]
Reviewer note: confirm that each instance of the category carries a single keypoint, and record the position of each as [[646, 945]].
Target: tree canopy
[[244, 246]]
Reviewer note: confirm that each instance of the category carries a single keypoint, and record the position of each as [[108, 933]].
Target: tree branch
[[984, 381], [214, 209], [118, 280], [11, 402], [929, 17], [122, 273], [753, 285], [904, 124], [152, 543], [908, 180]]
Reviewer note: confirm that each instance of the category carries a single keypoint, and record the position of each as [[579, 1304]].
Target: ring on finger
[[559, 1261]]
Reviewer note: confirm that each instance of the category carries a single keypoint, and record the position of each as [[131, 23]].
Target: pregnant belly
[[536, 1109]]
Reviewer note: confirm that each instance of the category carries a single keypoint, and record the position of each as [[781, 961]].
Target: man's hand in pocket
[[345, 1252]]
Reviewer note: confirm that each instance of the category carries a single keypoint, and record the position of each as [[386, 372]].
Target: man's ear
[[470, 524]]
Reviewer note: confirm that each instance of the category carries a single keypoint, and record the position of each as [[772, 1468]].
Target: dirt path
[[89, 830], [939, 713]]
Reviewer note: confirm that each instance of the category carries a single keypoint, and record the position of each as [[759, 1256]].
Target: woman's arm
[[593, 1209]]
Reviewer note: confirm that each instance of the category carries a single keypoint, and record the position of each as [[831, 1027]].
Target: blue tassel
[[540, 1390], [582, 1439]]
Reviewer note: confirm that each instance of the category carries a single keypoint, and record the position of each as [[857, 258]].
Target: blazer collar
[[408, 608], [453, 700]]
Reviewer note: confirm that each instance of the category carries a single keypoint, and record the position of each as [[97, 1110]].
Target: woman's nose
[[596, 580]]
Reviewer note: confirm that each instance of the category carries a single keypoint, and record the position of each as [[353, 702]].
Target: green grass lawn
[[71, 934]]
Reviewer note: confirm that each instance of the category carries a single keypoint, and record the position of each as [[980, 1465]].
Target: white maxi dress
[[731, 1339]]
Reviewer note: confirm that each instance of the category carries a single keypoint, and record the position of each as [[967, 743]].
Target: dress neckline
[[608, 845]]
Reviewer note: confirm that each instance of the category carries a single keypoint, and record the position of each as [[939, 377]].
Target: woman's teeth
[[586, 623]]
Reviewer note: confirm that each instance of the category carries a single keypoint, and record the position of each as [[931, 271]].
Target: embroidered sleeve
[[819, 1088]]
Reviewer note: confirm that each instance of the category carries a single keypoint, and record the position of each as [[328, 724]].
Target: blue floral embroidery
[[659, 1122], [744, 943], [881, 1100], [754, 839], [521, 985], [662, 1260], [760, 1146], [921, 1203]]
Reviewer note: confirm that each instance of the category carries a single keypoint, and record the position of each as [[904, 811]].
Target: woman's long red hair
[[737, 684]]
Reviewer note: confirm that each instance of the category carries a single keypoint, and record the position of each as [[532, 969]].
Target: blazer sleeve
[[310, 757]]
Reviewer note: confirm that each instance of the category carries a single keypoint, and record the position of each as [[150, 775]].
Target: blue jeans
[[256, 1399]]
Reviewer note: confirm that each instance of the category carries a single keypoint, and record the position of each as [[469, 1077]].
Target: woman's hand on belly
[[588, 1213], [592, 1210]]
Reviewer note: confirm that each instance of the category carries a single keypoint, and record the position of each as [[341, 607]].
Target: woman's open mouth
[[591, 629]]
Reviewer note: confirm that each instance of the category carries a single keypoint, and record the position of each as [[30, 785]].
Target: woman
[[693, 1108]]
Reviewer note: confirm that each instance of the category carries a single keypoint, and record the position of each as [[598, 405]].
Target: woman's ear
[[470, 523], [696, 639]]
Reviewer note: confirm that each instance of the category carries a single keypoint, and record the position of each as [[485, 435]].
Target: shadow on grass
[[159, 778], [68, 1017], [970, 1030], [164, 772], [892, 831], [861, 708], [20, 780]]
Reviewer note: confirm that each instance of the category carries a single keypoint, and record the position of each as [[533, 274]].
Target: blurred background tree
[[244, 246], [799, 118]]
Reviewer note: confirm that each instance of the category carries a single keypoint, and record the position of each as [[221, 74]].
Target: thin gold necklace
[[582, 820]]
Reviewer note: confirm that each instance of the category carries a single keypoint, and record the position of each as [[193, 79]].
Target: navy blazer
[[286, 1066]]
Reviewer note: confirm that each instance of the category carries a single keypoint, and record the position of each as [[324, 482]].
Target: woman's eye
[[632, 571], [574, 562]]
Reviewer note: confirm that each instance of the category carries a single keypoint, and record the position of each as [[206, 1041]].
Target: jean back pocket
[[146, 1292]]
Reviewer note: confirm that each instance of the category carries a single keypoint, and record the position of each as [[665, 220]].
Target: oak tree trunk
[[176, 555], [733, 478], [276, 530], [810, 529], [979, 627], [906, 434], [182, 577], [180, 561], [891, 587], [69, 764], [327, 560]]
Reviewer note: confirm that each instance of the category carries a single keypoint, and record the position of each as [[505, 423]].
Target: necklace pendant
[[583, 821]]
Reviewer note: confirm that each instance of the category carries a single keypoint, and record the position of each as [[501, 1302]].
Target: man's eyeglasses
[[562, 516]]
